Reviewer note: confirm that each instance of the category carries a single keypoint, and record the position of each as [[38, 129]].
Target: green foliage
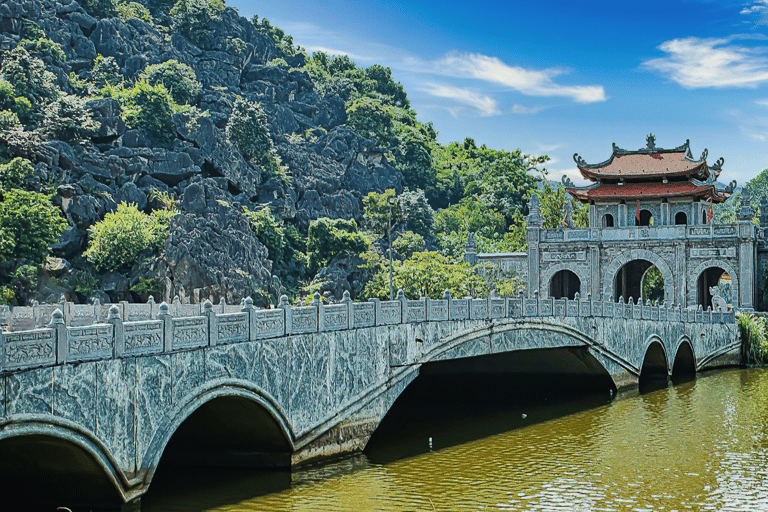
[[277, 62], [470, 215], [45, 47], [371, 119], [31, 222], [15, 174], [24, 280], [653, 286], [552, 200], [146, 285], [7, 295], [425, 274], [327, 238], [28, 76], [105, 71], [18, 105], [377, 211], [67, 119], [133, 11], [283, 42], [7, 243], [100, 8], [499, 281], [247, 131], [754, 338], [119, 239], [178, 78], [9, 122], [82, 281], [31, 30], [190, 18], [269, 231], [149, 108], [416, 212], [408, 243]]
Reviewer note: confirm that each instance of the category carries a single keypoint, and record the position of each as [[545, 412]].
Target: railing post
[[447, 296], [403, 307], [522, 304], [286, 306], [164, 314], [60, 331], [346, 299], [317, 302], [116, 320], [248, 308], [213, 331]]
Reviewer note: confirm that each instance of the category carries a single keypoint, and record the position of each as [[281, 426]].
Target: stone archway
[[713, 263], [640, 254], [549, 273]]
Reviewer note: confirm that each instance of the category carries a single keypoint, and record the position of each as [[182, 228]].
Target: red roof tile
[[632, 191], [647, 165]]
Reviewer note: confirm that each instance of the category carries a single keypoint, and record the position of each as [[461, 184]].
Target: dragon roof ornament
[[649, 149], [569, 185]]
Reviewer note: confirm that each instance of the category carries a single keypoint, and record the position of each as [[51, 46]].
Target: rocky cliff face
[[211, 251]]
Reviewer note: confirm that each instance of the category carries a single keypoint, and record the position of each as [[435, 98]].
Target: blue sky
[[560, 78]]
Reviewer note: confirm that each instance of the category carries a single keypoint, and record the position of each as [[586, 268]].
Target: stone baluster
[[347, 299], [213, 331], [60, 332], [577, 300], [447, 297], [250, 311], [317, 302], [118, 334], [164, 314], [537, 301], [522, 304], [286, 306]]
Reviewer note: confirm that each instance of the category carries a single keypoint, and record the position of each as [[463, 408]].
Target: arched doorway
[[630, 280], [607, 220], [564, 285], [646, 218], [652, 286], [653, 372], [681, 219], [713, 278], [45, 472]]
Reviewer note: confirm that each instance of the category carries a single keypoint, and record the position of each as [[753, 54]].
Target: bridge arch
[[609, 277], [654, 363], [221, 389], [684, 364], [20, 440], [693, 283], [550, 272]]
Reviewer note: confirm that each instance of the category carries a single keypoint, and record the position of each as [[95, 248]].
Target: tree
[[247, 131], [190, 18], [416, 212], [327, 238], [269, 232], [147, 107], [31, 222], [377, 211], [371, 119], [67, 119], [179, 79], [29, 77], [408, 243], [15, 174]]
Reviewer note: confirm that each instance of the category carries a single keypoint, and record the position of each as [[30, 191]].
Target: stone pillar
[[621, 221], [286, 307], [248, 308], [747, 253], [593, 220], [534, 222], [470, 250], [594, 270], [164, 314], [62, 343], [350, 309], [681, 274], [213, 331], [117, 330], [664, 214]]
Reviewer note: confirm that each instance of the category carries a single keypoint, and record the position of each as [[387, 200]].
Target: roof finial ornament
[[704, 155], [650, 141], [579, 161]]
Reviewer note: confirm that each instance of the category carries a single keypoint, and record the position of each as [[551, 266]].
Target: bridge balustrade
[[117, 335]]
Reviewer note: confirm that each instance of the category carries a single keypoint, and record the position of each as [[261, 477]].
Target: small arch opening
[[607, 220], [684, 367], [45, 472], [629, 281], [653, 372], [703, 216], [714, 288], [681, 219], [564, 285], [646, 218]]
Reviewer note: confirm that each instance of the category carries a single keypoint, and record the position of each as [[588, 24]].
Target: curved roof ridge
[[649, 149]]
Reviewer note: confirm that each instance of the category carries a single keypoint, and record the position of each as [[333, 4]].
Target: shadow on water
[[453, 402]]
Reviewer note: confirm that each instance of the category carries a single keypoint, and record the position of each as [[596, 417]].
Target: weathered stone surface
[[74, 390]]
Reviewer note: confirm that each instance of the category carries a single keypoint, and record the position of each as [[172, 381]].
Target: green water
[[701, 445]]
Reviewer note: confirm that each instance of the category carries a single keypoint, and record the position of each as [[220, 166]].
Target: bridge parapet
[[118, 337]]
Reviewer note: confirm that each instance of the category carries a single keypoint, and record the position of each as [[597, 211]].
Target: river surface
[[700, 445]]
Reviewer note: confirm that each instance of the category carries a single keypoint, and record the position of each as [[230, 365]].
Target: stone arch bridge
[[289, 384]]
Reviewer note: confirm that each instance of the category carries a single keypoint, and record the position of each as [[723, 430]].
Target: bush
[[754, 338], [15, 173], [99, 8], [377, 211], [190, 18], [408, 243], [44, 46], [32, 223], [149, 108], [269, 232], [416, 212], [133, 11], [9, 122], [372, 119], [9, 101], [178, 78], [28, 76], [31, 30], [105, 71], [327, 238], [119, 239], [247, 131], [24, 280], [67, 119]]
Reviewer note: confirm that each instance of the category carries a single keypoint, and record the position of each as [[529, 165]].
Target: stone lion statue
[[718, 303]]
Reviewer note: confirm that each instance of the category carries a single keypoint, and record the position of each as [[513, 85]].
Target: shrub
[[32, 223], [24, 280], [105, 71], [9, 122], [416, 212], [190, 18], [327, 238], [247, 131], [133, 11], [754, 338], [408, 243], [28, 76], [149, 108], [377, 211], [99, 8], [15, 173], [372, 119], [119, 239], [269, 231], [178, 78], [44, 46], [67, 119], [31, 30]]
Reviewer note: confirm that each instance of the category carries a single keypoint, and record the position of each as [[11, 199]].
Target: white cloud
[[522, 109], [714, 62], [762, 103], [486, 105], [333, 51], [760, 8], [546, 148], [530, 82]]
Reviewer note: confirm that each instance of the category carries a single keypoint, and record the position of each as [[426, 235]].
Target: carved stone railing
[[116, 337], [625, 233]]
